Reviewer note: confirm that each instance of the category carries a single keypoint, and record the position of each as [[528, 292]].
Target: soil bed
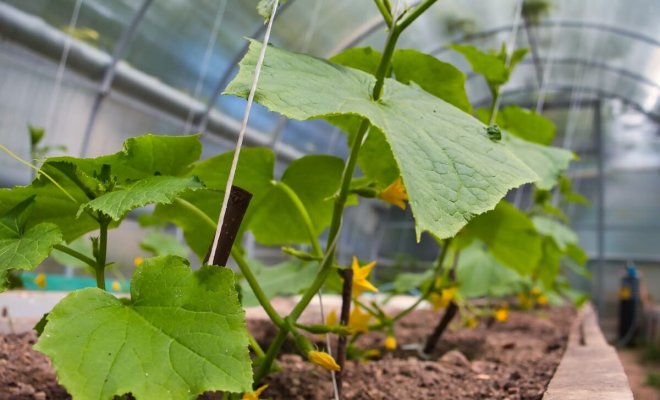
[[511, 360]]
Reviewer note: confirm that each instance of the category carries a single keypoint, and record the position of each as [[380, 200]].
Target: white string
[[241, 134], [206, 61], [59, 77], [511, 45]]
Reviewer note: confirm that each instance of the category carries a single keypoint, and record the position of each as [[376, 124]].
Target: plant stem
[[256, 288], [255, 346], [304, 214], [384, 12], [101, 257], [495, 92], [436, 272], [340, 199], [73, 253], [419, 10]]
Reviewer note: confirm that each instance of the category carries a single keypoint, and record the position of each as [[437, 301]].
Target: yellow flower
[[323, 359], [442, 300], [390, 343], [358, 321], [542, 300], [395, 194], [331, 318], [536, 291], [360, 275], [525, 301], [116, 286], [40, 280], [372, 353], [471, 322], [501, 314], [137, 261], [254, 395]]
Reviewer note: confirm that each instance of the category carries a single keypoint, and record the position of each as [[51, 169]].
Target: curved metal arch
[[560, 88], [592, 64], [202, 119]]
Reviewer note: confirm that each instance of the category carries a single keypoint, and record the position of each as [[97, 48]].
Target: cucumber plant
[[182, 332]]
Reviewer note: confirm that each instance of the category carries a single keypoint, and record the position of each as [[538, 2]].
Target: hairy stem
[[304, 214], [101, 256]]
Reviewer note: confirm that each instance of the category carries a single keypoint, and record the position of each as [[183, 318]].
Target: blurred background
[[95, 72]]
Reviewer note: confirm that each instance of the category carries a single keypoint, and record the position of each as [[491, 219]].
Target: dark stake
[[239, 199], [346, 295], [433, 339]]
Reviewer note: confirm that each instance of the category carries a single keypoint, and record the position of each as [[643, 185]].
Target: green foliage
[[24, 248], [523, 123], [287, 278], [162, 244], [36, 135], [451, 169], [479, 273], [491, 65], [151, 190], [560, 233], [180, 334], [407, 281], [510, 236], [265, 8], [547, 162]]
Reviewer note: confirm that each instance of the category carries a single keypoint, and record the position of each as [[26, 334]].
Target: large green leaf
[[287, 278], [180, 334], [434, 76], [163, 244], [547, 162], [526, 124], [272, 216], [144, 156], [491, 65], [560, 233], [479, 273], [510, 236], [24, 248], [151, 190], [198, 230], [451, 169]]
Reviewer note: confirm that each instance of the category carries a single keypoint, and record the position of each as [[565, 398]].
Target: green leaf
[[526, 124], [162, 244], [489, 65], [560, 233], [577, 254], [272, 216], [36, 134], [151, 190], [509, 234], [265, 8], [144, 156], [24, 248], [287, 278], [549, 265], [407, 281], [363, 58], [434, 76], [197, 230], [479, 273], [547, 162], [180, 334], [451, 170]]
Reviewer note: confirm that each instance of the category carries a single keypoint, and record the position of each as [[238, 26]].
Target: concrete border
[[590, 368]]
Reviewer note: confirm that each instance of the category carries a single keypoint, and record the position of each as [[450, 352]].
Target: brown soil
[[512, 360], [636, 372]]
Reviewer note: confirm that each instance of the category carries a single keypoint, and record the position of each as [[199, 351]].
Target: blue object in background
[[56, 282]]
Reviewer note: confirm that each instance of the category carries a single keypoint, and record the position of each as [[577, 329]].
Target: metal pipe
[[600, 230]]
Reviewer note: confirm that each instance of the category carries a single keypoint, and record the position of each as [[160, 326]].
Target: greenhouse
[[315, 199]]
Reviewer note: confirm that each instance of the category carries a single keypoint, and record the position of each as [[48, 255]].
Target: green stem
[[384, 12], [385, 61], [254, 285], [195, 210], [73, 253], [419, 10], [436, 271], [495, 92], [255, 346], [101, 257], [304, 214]]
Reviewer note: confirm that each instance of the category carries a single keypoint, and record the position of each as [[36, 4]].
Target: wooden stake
[[239, 199]]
